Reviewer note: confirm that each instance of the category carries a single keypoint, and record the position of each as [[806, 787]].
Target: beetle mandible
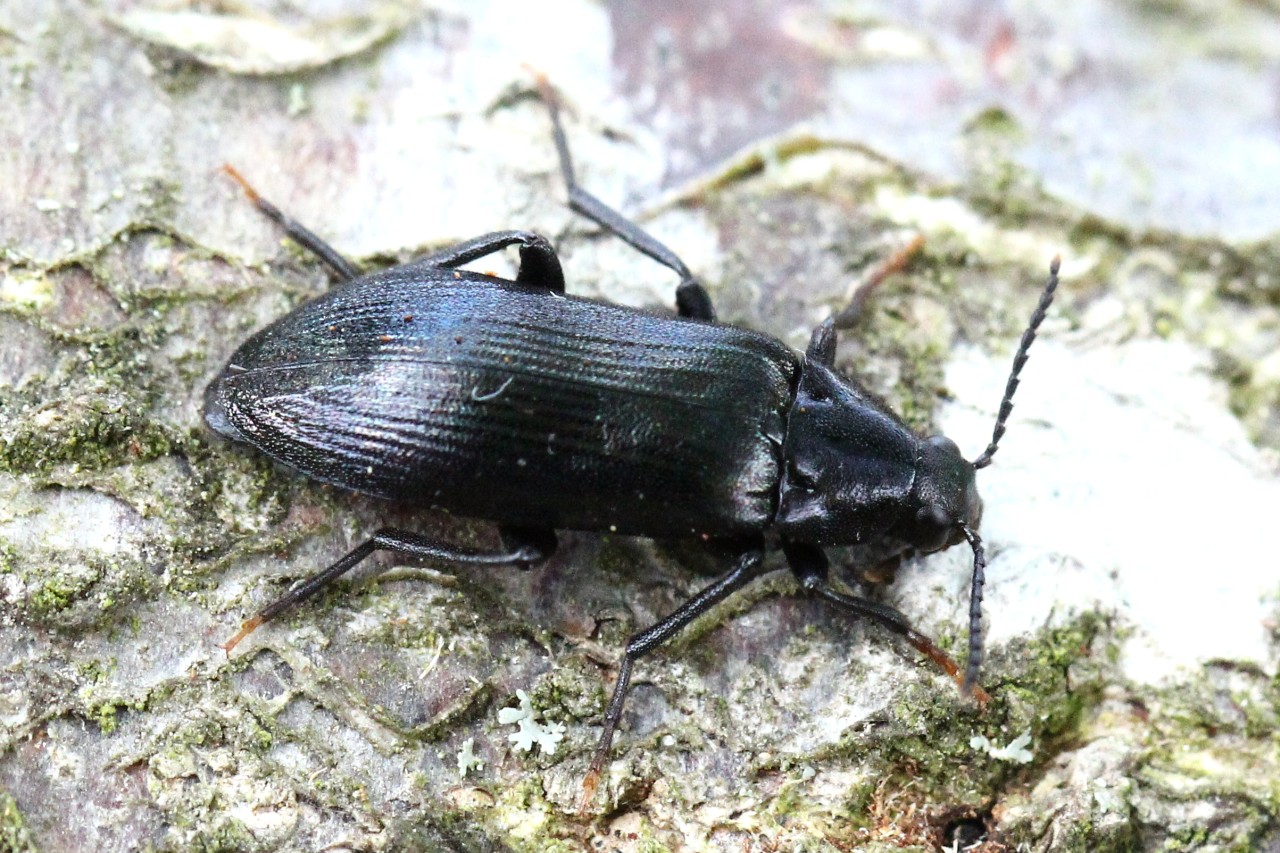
[[576, 414]]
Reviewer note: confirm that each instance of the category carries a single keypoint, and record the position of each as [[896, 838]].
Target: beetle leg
[[822, 344], [541, 543], [301, 235], [539, 263], [692, 299], [809, 564], [848, 316], [522, 548], [749, 566]]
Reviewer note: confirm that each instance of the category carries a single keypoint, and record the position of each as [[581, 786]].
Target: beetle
[[514, 402]]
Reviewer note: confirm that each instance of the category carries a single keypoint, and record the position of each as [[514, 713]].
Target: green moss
[[225, 835], [59, 592], [14, 835], [91, 432], [1187, 839], [1059, 673], [65, 592], [106, 718], [995, 121], [571, 691], [788, 802], [106, 713], [1045, 686]]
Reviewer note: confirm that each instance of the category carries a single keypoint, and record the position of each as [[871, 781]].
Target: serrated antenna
[[1019, 360]]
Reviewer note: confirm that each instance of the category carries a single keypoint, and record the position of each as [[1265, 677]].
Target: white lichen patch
[[531, 732], [1124, 484], [467, 759], [1015, 751], [30, 291]]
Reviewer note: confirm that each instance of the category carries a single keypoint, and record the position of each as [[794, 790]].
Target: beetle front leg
[[692, 299], [521, 547], [809, 564], [822, 344], [749, 566]]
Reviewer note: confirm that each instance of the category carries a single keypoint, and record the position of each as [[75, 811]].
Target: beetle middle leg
[[692, 299], [521, 547], [749, 566]]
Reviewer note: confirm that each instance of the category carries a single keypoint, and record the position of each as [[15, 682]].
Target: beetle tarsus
[[590, 783], [611, 718], [947, 664], [246, 628], [848, 316], [247, 187]]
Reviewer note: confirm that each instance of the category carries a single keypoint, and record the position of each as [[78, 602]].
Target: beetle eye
[[934, 526], [946, 445], [934, 516]]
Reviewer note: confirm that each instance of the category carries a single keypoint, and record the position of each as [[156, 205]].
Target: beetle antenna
[[1020, 359], [974, 663]]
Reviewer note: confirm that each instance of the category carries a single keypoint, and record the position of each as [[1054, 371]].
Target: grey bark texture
[[782, 149]]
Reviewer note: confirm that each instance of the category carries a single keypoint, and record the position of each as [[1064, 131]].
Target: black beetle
[[509, 400]]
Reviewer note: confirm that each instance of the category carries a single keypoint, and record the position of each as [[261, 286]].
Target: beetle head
[[944, 497], [944, 508]]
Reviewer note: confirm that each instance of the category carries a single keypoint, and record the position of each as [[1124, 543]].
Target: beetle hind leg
[[520, 547], [748, 567], [299, 233]]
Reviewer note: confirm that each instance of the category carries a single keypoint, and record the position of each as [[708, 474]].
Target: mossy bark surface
[[783, 150]]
